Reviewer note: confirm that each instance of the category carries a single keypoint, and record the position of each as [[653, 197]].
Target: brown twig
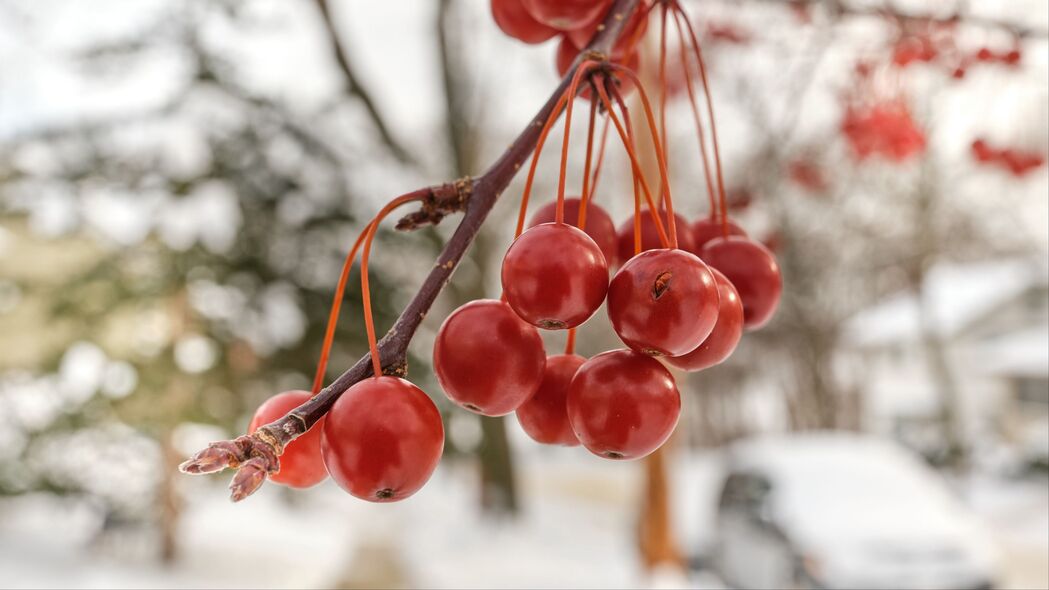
[[257, 455]]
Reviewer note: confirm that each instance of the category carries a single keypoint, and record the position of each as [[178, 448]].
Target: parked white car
[[839, 510]]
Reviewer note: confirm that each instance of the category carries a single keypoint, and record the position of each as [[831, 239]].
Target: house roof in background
[[958, 295]]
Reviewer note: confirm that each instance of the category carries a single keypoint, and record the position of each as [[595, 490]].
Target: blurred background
[[180, 179]]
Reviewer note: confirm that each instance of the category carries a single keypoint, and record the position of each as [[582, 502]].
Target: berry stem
[[584, 201], [581, 71], [663, 82], [710, 114], [333, 315], [530, 179], [570, 342]]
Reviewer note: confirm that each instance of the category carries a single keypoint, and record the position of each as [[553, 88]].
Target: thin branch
[[256, 455], [357, 89]]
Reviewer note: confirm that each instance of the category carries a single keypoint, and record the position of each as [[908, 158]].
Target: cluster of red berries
[[574, 21], [1017, 162], [884, 129]]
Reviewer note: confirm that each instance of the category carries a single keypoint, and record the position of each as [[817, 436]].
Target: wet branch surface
[[257, 455]]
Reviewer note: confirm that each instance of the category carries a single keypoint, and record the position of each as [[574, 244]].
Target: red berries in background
[[301, 465], [599, 224], [382, 439], [516, 22], [544, 417], [724, 338], [487, 359], [753, 271], [884, 129], [708, 228], [566, 15], [663, 302], [623, 405], [1017, 162], [650, 235], [554, 276]]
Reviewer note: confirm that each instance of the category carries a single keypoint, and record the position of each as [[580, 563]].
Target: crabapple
[[301, 465]]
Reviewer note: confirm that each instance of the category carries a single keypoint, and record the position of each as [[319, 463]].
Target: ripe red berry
[[544, 417], [753, 271], [650, 236], [515, 21], [726, 334], [623, 405], [382, 439], [487, 359], [663, 302], [300, 465], [1012, 58], [566, 15], [599, 225], [554, 276], [984, 54], [708, 228]]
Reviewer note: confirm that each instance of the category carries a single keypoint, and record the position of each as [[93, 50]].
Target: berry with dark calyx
[[516, 22], [753, 271], [708, 228], [382, 439], [544, 417], [599, 225], [566, 15], [726, 334], [663, 302], [623, 405], [301, 465], [650, 235], [487, 359], [554, 276]]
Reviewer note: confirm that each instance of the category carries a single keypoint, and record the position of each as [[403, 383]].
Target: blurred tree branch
[[357, 89]]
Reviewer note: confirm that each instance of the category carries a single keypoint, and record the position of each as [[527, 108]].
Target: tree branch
[[357, 89], [257, 455]]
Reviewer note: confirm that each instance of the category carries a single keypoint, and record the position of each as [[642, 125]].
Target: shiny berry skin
[[514, 20], [623, 405], [753, 270], [382, 439], [487, 359], [301, 465], [650, 236], [554, 276], [663, 302], [566, 15], [708, 228], [544, 417], [726, 334], [599, 224]]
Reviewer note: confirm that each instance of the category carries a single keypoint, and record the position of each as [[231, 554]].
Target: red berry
[[727, 331], [544, 417], [708, 228], [1012, 58], [487, 359], [663, 302], [633, 30], [650, 236], [566, 15], [554, 276], [753, 271], [300, 465], [982, 152], [515, 21], [623, 405], [984, 54], [382, 439], [599, 224]]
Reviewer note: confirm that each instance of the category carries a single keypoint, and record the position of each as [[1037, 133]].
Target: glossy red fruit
[[554, 276], [753, 270], [599, 224], [301, 465], [382, 439], [631, 35], [487, 359], [544, 417], [515, 21], [623, 405], [708, 228], [566, 54], [650, 236], [726, 334], [566, 15], [663, 302]]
